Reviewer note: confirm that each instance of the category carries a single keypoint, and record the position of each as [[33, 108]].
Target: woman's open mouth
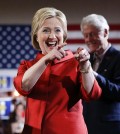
[[51, 44]]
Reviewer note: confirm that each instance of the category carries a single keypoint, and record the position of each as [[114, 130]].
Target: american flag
[[75, 37], [15, 43]]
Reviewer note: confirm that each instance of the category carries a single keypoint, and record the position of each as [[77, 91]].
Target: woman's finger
[[61, 46]]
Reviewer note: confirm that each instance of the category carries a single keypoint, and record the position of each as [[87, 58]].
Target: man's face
[[94, 38]]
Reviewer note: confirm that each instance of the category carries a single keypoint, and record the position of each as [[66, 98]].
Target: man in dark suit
[[102, 116]]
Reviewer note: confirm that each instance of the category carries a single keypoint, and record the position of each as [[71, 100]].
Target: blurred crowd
[[15, 122]]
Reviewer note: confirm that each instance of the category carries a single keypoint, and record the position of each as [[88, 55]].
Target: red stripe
[[73, 27], [77, 41], [77, 27], [114, 41], [115, 27]]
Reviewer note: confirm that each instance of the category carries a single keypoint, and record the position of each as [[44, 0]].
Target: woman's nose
[[52, 35]]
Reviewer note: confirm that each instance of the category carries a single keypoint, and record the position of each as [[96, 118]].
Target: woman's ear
[[35, 38], [65, 38]]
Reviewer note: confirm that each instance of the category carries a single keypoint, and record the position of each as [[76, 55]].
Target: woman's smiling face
[[50, 34]]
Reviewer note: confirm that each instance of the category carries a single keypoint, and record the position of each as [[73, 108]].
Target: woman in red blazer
[[56, 80]]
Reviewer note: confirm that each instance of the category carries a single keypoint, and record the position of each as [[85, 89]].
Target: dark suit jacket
[[103, 116]]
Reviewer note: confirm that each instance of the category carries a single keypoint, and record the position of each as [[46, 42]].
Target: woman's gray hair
[[95, 20], [40, 16]]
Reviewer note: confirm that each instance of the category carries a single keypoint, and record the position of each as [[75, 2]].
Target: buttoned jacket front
[[54, 103]]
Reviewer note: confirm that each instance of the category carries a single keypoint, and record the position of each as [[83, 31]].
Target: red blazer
[[54, 103]]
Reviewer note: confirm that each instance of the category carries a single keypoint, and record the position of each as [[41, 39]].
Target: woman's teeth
[[51, 43]]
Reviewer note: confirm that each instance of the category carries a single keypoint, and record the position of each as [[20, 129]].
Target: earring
[[37, 39]]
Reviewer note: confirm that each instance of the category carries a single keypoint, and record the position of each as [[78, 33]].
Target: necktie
[[96, 63]]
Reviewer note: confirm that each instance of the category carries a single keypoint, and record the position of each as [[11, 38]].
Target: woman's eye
[[58, 30], [45, 31]]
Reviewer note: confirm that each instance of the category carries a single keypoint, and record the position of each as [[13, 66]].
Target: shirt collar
[[102, 55]]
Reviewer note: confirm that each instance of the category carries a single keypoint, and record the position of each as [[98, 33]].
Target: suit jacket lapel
[[105, 61]]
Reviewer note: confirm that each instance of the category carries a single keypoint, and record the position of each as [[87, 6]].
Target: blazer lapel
[[104, 65]]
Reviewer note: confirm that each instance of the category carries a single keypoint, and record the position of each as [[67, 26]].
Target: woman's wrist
[[87, 69], [46, 60]]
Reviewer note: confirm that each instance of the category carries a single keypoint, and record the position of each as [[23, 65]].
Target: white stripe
[[114, 34], [74, 35], [78, 35], [74, 47]]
